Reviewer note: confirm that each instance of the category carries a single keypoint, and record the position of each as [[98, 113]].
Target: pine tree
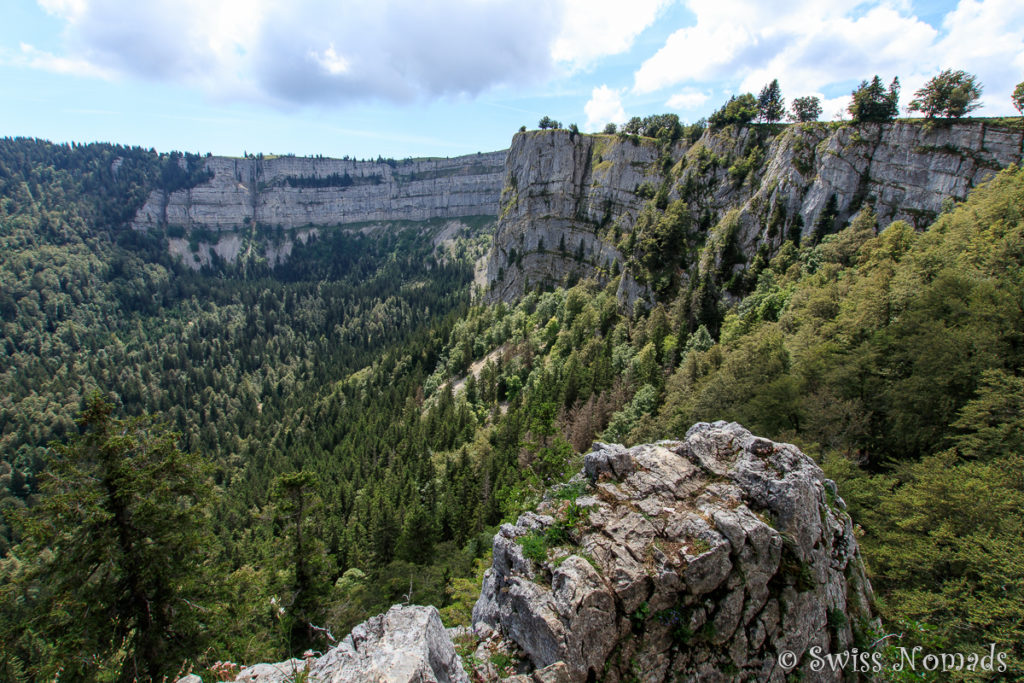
[[299, 511], [114, 552], [771, 107]]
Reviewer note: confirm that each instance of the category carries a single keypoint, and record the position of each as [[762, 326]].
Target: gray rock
[[281, 672], [407, 644], [191, 678], [696, 558], [581, 191], [249, 191]]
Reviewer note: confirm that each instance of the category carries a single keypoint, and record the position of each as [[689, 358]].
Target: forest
[[240, 464]]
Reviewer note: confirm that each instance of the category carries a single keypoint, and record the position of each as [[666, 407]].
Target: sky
[[415, 78]]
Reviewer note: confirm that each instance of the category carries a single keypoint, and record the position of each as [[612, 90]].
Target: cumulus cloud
[[812, 46], [308, 51], [604, 106], [687, 99], [595, 28]]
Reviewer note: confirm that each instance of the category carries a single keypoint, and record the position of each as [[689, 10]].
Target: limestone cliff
[[304, 194], [720, 557], [569, 201]]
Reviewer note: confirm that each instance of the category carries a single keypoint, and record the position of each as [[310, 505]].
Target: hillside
[[365, 428]]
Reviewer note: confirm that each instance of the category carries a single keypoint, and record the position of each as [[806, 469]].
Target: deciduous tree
[[950, 94], [805, 109], [1018, 98]]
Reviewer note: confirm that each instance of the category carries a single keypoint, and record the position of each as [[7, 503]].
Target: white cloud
[[687, 99], [987, 38], [604, 106], [331, 61], [309, 51], [811, 46], [596, 28], [34, 58]]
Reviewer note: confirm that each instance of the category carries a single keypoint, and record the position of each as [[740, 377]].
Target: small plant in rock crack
[[677, 619], [638, 617], [535, 547], [576, 515]]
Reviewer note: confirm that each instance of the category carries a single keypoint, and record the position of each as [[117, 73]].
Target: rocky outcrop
[[294, 192], [568, 200], [721, 557], [407, 644], [708, 558]]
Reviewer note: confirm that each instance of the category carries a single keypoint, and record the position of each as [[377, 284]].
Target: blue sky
[[402, 78]]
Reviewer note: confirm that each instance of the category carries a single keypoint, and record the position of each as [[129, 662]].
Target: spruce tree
[[771, 107], [299, 513], [113, 554]]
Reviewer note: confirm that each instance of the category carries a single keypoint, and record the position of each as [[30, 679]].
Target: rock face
[[560, 190], [568, 200], [706, 558], [294, 192], [407, 644], [295, 197]]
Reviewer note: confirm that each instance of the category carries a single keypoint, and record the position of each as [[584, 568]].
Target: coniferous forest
[[240, 464]]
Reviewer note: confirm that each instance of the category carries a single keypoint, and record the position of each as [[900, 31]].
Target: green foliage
[[298, 512], [738, 110], [871, 103], [112, 555], [662, 243], [951, 94], [771, 106], [742, 168], [1018, 98], [547, 122], [535, 547], [639, 616], [610, 129], [898, 356], [805, 109], [664, 127]]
